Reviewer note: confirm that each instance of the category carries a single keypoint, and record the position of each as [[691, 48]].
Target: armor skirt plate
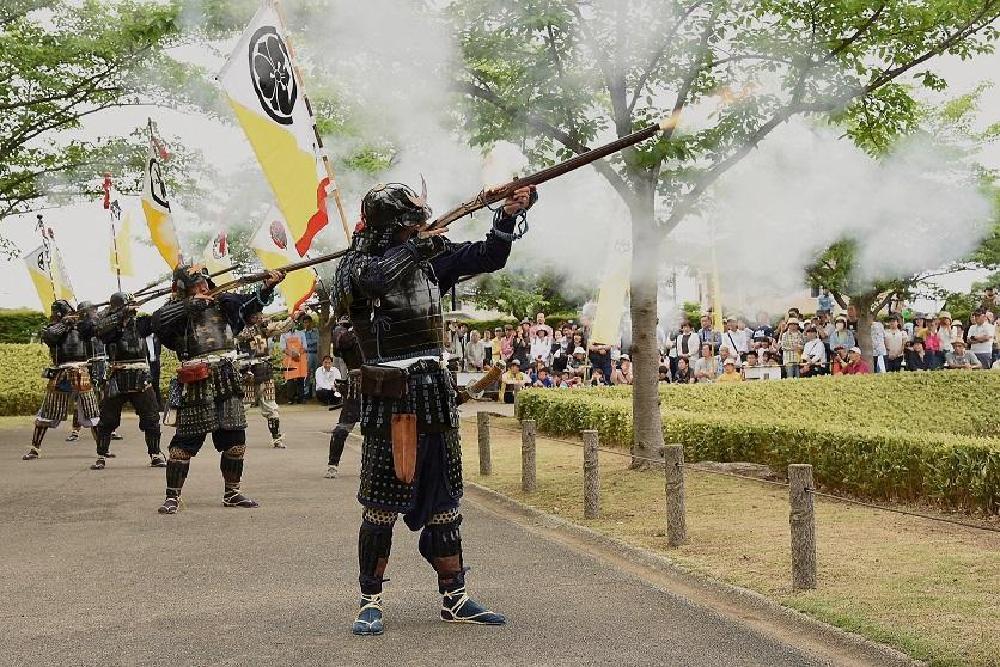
[[213, 403]]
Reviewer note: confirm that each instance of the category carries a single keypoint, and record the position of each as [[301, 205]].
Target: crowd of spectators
[[538, 354]]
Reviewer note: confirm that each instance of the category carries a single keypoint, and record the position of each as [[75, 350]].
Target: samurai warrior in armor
[[98, 367], [69, 377], [345, 345], [128, 380], [207, 394], [390, 284], [258, 370]]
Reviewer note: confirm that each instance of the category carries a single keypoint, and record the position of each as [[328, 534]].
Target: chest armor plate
[[405, 322], [208, 331], [130, 347], [72, 348]]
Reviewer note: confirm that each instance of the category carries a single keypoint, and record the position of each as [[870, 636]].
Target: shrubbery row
[[926, 449], [23, 387]]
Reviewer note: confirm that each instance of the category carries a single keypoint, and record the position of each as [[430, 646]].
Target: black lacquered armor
[[404, 322]]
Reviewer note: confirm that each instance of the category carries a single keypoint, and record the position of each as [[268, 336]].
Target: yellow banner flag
[[612, 295], [156, 207], [121, 242], [216, 257], [49, 275], [272, 244], [261, 85]]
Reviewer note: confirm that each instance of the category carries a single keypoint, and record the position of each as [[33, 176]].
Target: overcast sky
[[82, 231]]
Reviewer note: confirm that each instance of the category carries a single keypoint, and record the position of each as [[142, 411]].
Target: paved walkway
[[91, 575]]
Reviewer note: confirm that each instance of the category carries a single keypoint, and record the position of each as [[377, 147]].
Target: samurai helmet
[[186, 276], [86, 308], [118, 300], [394, 206], [61, 308]]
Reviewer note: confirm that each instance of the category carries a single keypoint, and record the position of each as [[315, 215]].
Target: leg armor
[[337, 441], [374, 544], [177, 471], [441, 545], [231, 465], [103, 437], [274, 426], [36, 442]]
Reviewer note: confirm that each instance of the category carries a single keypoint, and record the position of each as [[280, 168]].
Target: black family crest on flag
[[271, 71], [157, 188]]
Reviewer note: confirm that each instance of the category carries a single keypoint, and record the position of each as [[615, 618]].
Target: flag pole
[[48, 255], [319, 140], [112, 207]]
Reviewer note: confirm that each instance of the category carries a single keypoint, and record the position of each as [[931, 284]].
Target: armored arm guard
[[375, 275], [470, 259], [108, 326], [53, 334]]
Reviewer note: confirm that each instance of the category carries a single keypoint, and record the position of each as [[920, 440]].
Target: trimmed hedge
[[18, 325], [924, 436], [22, 386]]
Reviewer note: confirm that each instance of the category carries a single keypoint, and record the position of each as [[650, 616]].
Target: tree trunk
[[645, 355], [864, 303]]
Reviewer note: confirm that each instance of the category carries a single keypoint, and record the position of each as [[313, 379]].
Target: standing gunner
[[69, 379], [258, 369], [208, 393], [123, 334], [391, 283]]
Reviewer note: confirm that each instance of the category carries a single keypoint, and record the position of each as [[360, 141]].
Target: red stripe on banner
[[317, 222], [312, 290]]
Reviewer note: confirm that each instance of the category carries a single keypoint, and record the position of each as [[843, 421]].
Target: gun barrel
[[500, 193], [287, 268]]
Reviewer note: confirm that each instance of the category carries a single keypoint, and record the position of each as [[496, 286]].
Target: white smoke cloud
[[806, 188]]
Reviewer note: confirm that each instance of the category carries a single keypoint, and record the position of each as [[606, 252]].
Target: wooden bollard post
[[591, 477], [528, 478], [485, 461], [673, 462], [802, 519]]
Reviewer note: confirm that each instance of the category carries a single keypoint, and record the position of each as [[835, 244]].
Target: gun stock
[[501, 192]]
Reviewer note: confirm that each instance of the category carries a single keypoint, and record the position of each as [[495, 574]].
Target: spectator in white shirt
[[981, 339], [895, 345], [326, 382], [687, 345], [541, 345], [813, 354], [736, 339], [475, 352], [878, 346]]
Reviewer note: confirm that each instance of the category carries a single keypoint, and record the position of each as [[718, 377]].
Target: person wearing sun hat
[[729, 372], [856, 364]]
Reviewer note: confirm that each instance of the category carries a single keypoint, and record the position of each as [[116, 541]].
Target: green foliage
[[692, 313], [65, 61], [928, 436], [18, 326], [523, 294], [23, 387]]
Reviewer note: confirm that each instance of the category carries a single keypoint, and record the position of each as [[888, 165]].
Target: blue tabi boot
[[369, 620], [458, 607]]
